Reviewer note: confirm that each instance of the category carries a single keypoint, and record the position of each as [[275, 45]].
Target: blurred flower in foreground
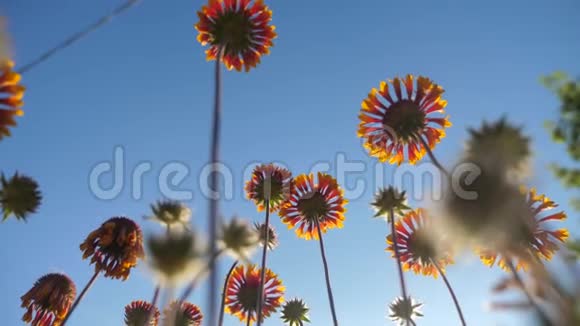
[[272, 236], [238, 238], [137, 313], [19, 196], [115, 247], [417, 246], [269, 182], [388, 199], [295, 313], [240, 28], [535, 241], [49, 300], [311, 203], [405, 311], [170, 213], [11, 93], [499, 146], [390, 125], [242, 293], [175, 257], [187, 314]]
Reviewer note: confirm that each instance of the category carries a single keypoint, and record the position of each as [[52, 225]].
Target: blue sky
[[142, 83]]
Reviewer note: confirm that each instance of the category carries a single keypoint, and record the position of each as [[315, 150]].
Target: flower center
[[248, 297], [421, 247], [233, 29], [405, 119], [270, 188], [313, 205]]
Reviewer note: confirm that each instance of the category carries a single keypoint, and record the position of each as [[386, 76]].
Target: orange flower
[[389, 124], [137, 313], [188, 314], [115, 247], [242, 293], [310, 202], [417, 248], [242, 30], [49, 300], [540, 243], [11, 93], [269, 182]]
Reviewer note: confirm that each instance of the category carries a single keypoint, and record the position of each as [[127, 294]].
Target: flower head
[[170, 213], [238, 238], [174, 257], [417, 248], [187, 314], [269, 182], [533, 240], [295, 313], [242, 292], [11, 93], [137, 313], [49, 300], [19, 196], [115, 247], [405, 310], [240, 28], [270, 232], [312, 204], [388, 199], [389, 124]]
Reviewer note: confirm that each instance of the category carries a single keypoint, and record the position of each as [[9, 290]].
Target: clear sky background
[[142, 83]]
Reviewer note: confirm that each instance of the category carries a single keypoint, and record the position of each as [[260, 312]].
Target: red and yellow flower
[[391, 121], [115, 247], [417, 247], [539, 242], [49, 300], [137, 313], [314, 204], [269, 182], [11, 93], [187, 314], [242, 291], [240, 29]]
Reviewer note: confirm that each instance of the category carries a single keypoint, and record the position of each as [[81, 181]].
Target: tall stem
[[398, 258], [432, 156], [453, 296], [540, 312], [264, 255], [326, 274], [81, 296], [214, 196], [224, 293], [198, 276], [153, 304], [249, 319]]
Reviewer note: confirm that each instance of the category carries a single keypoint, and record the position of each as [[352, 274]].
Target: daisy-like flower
[[186, 314], [137, 313], [534, 241], [388, 199], [19, 196], [49, 300], [11, 93], [115, 247], [242, 292], [405, 310], [269, 182], [170, 213], [311, 204], [240, 28], [392, 122], [238, 238], [295, 313], [270, 232]]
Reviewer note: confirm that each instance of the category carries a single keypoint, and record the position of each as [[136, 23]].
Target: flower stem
[[264, 255], [81, 296], [214, 196], [153, 304], [249, 319], [453, 296], [397, 257], [432, 156], [326, 274], [224, 293], [539, 311], [198, 276]]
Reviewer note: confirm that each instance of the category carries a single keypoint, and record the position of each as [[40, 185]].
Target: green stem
[[263, 270], [397, 256], [153, 304], [432, 156], [198, 276], [326, 274], [539, 311], [224, 293], [453, 296], [81, 296], [249, 319]]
